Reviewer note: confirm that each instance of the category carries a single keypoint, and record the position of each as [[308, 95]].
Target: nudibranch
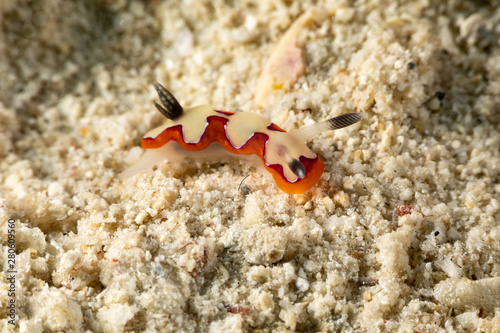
[[201, 131]]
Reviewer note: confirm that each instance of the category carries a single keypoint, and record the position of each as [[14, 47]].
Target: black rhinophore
[[171, 107], [344, 120]]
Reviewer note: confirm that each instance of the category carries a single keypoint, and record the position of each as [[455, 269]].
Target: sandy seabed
[[401, 233]]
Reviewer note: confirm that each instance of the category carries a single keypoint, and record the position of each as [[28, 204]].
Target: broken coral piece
[[464, 293], [285, 64]]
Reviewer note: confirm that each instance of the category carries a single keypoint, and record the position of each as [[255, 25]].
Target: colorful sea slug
[[200, 133]]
